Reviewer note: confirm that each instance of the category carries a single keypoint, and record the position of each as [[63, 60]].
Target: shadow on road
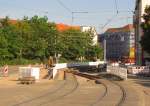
[[143, 81]]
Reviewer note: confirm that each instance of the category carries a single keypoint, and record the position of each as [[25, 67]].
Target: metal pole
[[56, 54], [105, 50], [72, 18]]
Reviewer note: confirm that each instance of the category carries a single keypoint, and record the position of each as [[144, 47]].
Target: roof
[[60, 26], [63, 27], [13, 21], [126, 28]]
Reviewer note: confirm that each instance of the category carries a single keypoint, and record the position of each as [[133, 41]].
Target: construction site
[[70, 88]]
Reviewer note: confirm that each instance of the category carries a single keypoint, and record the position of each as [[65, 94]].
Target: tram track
[[123, 98], [109, 85], [39, 97], [101, 97], [70, 85], [62, 96], [76, 90]]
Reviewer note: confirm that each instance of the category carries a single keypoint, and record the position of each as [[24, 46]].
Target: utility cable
[[114, 16], [116, 6], [110, 20], [64, 6]]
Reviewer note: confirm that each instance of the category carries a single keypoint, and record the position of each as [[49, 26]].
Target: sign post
[[5, 71]]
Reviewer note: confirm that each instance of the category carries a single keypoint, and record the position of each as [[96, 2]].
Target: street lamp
[[78, 12], [105, 50]]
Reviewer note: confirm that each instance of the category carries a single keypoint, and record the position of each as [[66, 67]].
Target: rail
[[108, 91]]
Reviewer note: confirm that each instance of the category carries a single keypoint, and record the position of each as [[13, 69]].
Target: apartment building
[[120, 44]]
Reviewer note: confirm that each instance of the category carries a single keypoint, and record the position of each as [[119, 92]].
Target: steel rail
[[62, 96], [35, 98], [51, 99], [97, 78], [50, 93]]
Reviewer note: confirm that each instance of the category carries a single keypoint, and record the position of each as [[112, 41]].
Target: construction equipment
[[27, 80], [28, 75]]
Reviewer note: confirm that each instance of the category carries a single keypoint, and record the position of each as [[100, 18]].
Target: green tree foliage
[[145, 40], [6, 33], [94, 52], [75, 44], [37, 39]]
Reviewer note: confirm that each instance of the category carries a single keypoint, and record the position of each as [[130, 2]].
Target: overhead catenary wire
[[116, 6], [117, 11], [92, 14], [109, 20], [64, 6], [113, 17]]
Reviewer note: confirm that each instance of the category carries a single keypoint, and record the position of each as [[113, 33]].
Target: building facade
[[93, 32], [120, 44], [137, 20], [63, 27]]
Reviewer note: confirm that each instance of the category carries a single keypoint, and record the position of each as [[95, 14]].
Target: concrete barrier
[[139, 70], [118, 71], [70, 65], [61, 74], [57, 67]]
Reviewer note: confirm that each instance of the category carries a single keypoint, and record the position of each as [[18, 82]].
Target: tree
[[145, 40], [94, 52], [3, 47], [6, 32], [53, 40], [37, 36], [75, 44], [37, 39]]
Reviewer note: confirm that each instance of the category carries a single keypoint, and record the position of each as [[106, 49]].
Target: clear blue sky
[[99, 11]]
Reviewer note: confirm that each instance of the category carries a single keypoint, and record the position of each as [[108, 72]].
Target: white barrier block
[[139, 69], [118, 71], [66, 65], [35, 71], [93, 63], [29, 72], [62, 65], [54, 72]]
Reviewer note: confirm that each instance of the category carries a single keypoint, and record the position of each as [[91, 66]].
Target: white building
[[144, 3], [94, 33], [139, 11]]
